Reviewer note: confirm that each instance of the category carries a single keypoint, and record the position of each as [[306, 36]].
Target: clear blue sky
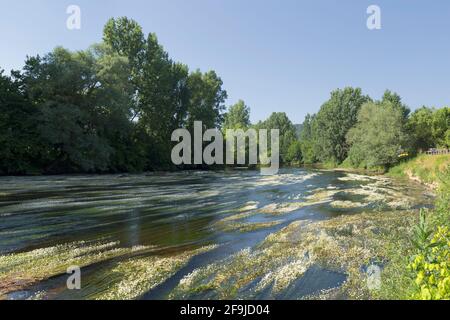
[[277, 55]]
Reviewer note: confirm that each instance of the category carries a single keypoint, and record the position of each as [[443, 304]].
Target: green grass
[[400, 282], [425, 168]]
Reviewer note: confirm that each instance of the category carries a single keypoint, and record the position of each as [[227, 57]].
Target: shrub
[[431, 265]]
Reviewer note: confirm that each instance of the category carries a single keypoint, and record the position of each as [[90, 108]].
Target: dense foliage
[[430, 265], [288, 136], [111, 108], [114, 106], [354, 130], [378, 137], [333, 122]]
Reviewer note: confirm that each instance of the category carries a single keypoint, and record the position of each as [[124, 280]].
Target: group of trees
[[110, 108], [113, 108], [354, 129], [238, 117]]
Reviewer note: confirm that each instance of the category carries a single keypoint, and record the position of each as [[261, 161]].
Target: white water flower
[[283, 276]]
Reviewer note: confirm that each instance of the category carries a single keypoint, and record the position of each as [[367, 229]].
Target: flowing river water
[[184, 235]]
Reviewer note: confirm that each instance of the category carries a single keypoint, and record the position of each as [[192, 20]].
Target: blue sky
[[277, 55]]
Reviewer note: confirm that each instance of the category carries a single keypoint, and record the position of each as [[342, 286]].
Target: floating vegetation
[[282, 277], [169, 213], [347, 244], [344, 244], [356, 177], [282, 208], [249, 227], [277, 265], [347, 204], [251, 205], [320, 196], [139, 275], [21, 270], [285, 179], [388, 197], [238, 216]]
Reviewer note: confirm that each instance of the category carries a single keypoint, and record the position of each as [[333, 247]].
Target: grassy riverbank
[[419, 267], [425, 169], [412, 248]]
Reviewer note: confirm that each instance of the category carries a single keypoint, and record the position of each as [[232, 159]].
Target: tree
[[64, 86], [116, 94], [332, 123], [112, 107], [420, 126], [306, 140], [126, 38], [430, 128], [397, 103], [294, 153], [207, 99], [167, 96], [237, 117], [280, 121], [441, 127], [85, 104], [19, 141], [378, 137], [447, 138]]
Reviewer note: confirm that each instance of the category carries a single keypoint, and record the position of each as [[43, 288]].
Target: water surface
[[172, 213]]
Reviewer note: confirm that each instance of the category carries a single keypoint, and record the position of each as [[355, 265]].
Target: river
[[184, 235]]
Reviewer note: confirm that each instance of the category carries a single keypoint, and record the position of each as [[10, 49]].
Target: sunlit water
[[174, 212]]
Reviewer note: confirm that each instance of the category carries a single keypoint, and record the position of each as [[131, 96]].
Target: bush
[[431, 266]]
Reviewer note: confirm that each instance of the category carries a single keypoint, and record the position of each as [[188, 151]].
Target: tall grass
[[425, 273]]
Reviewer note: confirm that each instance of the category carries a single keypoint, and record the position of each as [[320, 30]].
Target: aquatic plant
[[248, 227], [20, 270], [139, 275]]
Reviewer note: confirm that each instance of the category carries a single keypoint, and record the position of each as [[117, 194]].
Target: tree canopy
[[333, 121], [379, 136], [114, 106]]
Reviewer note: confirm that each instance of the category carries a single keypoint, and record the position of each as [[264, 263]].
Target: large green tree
[[237, 117], [85, 104], [19, 140], [167, 96], [396, 101], [420, 125], [207, 98], [307, 140], [62, 85], [280, 121], [430, 128], [441, 127], [379, 136], [332, 123]]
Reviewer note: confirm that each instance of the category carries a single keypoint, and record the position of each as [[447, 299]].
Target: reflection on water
[[178, 213]]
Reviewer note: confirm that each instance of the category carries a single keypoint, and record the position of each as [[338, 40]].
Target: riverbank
[[399, 243], [424, 270], [425, 169]]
